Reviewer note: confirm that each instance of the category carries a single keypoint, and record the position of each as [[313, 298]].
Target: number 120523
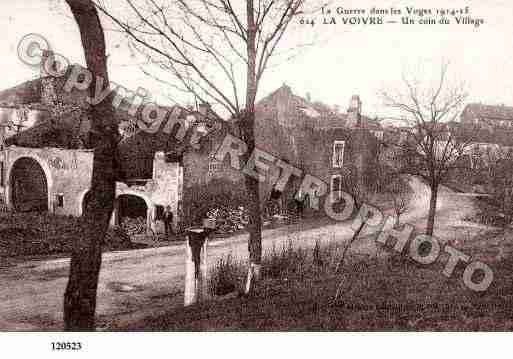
[[66, 345]]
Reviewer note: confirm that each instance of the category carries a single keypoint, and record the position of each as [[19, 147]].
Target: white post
[[190, 278], [195, 266]]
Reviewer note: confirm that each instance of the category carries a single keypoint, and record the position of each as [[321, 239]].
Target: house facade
[[338, 148]]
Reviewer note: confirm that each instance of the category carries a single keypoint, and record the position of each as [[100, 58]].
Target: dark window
[[59, 200], [2, 179], [336, 186], [338, 154], [172, 157]]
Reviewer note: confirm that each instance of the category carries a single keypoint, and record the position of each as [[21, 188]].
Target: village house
[[338, 148]]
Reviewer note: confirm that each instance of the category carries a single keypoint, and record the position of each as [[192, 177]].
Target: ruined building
[[48, 167]]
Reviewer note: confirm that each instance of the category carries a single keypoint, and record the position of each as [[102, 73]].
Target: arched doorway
[[29, 186], [88, 196], [132, 213]]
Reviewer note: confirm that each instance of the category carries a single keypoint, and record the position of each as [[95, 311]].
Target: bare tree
[[217, 52], [399, 192], [434, 144], [81, 291]]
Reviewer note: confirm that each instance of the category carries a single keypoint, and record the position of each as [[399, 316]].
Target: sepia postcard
[[171, 166]]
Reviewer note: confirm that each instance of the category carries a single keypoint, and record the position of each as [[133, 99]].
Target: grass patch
[[30, 234], [287, 262], [376, 294]]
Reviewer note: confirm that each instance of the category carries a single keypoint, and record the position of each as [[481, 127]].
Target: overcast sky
[[355, 60]]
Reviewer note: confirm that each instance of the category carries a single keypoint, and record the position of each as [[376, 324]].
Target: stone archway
[[131, 206], [29, 189]]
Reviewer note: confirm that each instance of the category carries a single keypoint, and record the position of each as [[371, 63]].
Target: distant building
[[492, 131], [488, 116]]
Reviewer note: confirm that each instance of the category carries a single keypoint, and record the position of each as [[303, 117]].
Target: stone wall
[[68, 175]]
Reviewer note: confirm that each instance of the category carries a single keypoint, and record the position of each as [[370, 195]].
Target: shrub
[[45, 233], [288, 261], [226, 276]]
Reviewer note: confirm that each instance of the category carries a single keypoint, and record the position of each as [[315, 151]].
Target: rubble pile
[[132, 226], [229, 220]]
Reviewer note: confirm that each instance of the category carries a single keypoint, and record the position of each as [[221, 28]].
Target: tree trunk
[[432, 208], [255, 219], [248, 130], [81, 291]]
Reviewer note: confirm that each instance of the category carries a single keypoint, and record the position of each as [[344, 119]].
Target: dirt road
[[133, 284]]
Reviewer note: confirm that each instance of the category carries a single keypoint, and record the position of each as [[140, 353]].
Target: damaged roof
[[304, 111], [26, 93]]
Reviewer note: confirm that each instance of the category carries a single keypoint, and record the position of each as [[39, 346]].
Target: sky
[[348, 60]]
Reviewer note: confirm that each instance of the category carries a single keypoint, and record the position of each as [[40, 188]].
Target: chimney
[[308, 97], [354, 112], [48, 88], [204, 108]]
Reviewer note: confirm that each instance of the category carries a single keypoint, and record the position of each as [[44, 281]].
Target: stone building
[[58, 181], [338, 148], [47, 167]]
